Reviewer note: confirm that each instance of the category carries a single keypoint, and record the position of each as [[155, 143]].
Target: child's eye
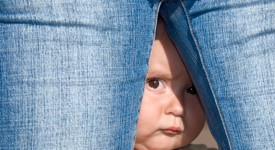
[[155, 85], [192, 90]]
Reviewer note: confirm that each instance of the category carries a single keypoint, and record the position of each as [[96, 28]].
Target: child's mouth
[[171, 130]]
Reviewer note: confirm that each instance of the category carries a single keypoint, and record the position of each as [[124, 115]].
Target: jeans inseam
[[205, 72]]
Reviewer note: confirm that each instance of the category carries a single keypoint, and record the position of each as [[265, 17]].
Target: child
[[171, 115]]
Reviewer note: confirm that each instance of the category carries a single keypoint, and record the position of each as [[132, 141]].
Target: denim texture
[[72, 72], [229, 50]]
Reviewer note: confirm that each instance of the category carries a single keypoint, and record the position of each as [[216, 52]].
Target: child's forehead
[[166, 65], [165, 60]]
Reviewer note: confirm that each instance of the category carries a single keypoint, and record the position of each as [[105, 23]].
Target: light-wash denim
[[72, 72], [228, 47]]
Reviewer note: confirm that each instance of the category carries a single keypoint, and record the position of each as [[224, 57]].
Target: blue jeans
[[72, 74]]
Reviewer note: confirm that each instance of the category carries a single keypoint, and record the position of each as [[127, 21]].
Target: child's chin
[[166, 145]]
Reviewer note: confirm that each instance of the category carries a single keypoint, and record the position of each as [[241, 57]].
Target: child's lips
[[172, 130]]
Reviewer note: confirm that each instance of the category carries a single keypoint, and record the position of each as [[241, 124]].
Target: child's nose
[[175, 106]]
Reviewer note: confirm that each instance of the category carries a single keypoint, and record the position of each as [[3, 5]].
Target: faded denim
[[229, 49], [72, 73]]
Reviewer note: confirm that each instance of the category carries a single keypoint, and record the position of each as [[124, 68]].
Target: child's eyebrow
[[159, 75], [164, 73], [156, 70]]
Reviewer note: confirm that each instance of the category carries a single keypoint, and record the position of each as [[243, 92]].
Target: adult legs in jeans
[[228, 47], [72, 73]]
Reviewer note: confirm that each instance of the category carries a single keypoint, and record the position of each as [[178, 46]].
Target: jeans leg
[[178, 26], [72, 73], [232, 51]]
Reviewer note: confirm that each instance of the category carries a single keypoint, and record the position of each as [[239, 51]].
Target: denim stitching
[[207, 76]]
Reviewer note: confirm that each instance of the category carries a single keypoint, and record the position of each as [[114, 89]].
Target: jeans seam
[[203, 67]]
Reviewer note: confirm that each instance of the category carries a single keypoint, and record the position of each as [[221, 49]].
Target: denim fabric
[[72, 72], [229, 49]]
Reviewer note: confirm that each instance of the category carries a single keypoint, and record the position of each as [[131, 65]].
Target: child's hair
[[160, 28]]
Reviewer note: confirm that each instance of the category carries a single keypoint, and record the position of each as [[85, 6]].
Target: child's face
[[171, 115]]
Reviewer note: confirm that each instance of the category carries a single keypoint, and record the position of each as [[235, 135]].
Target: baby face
[[171, 115]]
